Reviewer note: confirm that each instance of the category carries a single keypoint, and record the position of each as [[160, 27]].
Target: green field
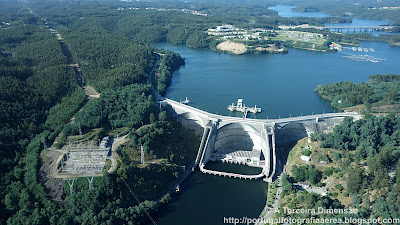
[[298, 36]]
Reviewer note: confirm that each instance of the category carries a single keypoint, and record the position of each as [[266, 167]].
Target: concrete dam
[[246, 141]]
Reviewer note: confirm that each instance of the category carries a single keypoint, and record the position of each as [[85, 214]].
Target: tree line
[[169, 62], [379, 88], [372, 142]]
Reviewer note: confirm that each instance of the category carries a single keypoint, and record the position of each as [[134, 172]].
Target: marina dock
[[363, 58]]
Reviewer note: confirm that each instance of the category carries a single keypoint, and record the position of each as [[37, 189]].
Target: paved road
[[114, 156], [270, 210]]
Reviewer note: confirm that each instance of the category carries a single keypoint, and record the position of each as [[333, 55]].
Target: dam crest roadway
[[247, 141]]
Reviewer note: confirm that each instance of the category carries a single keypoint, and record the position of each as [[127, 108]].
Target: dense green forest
[[366, 157], [39, 95], [169, 62], [150, 22], [34, 76], [117, 63], [368, 9], [379, 89], [128, 106], [158, 139], [374, 141]]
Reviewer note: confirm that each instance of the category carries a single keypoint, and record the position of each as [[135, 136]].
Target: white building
[[305, 158]]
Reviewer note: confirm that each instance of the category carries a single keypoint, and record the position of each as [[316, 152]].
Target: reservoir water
[[283, 85], [286, 11]]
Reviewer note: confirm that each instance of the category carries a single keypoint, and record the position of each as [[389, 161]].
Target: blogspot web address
[[311, 220], [313, 216]]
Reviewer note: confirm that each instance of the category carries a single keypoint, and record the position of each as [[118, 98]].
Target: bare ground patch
[[54, 186], [232, 47], [91, 92]]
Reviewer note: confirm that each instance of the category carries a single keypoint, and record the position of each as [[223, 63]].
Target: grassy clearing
[[299, 36], [331, 181], [87, 137]]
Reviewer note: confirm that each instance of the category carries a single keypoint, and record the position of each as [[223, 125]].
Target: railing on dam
[[250, 120], [234, 175]]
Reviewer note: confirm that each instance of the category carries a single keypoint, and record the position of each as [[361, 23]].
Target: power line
[[137, 200]]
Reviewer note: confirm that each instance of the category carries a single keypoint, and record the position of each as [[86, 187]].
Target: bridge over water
[[251, 142], [358, 28]]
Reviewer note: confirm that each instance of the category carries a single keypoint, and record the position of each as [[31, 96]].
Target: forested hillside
[[41, 101], [34, 76], [370, 154], [40, 95], [177, 22], [118, 62], [368, 9], [355, 167], [379, 90]]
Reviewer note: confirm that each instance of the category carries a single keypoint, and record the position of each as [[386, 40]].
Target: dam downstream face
[[282, 85]]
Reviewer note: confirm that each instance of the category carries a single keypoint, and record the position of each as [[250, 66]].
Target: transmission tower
[[141, 154], [44, 143], [70, 182], [90, 180], [80, 130]]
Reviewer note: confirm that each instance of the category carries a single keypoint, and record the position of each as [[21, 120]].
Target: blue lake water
[[286, 11], [281, 84]]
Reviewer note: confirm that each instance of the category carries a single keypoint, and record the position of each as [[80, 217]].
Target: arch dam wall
[[251, 142]]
